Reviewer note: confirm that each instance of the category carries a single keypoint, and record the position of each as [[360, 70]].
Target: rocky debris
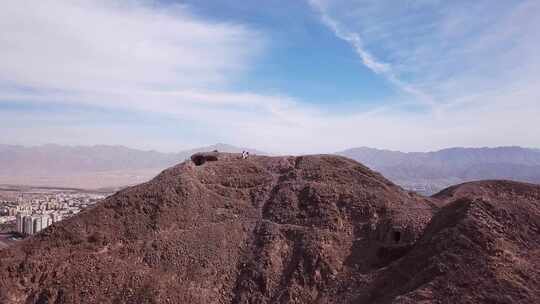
[[308, 229]]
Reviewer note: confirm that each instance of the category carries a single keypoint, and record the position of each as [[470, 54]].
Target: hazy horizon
[[104, 166], [210, 145]]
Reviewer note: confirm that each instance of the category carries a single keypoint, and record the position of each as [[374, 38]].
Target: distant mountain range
[[116, 166], [430, 172]]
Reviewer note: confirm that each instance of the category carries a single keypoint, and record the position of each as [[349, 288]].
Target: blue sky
[[304, 58], [281, 76]]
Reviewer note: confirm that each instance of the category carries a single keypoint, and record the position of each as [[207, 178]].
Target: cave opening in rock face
[[199, 160], [397, 236]]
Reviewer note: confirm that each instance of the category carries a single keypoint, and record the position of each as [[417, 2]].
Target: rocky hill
[[309, 229]]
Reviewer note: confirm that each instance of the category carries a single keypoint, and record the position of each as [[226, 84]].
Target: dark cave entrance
[[198, 160], [201, 158], [397, 236]]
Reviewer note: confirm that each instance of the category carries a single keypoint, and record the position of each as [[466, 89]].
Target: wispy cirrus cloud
[[368, 59], [440, 51], [472, 65]]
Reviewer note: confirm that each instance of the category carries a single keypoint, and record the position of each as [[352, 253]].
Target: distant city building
[[32, 224], [20, 222], [28, 225], [33, 212]]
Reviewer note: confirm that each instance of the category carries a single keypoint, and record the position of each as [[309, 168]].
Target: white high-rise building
[[37, 220], [20, 222], [32, 224], [28, 223]]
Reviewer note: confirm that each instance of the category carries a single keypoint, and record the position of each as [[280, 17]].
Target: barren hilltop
[[308, 229]]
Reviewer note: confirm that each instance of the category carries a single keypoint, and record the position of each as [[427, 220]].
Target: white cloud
[[130, 55], [77, 46]]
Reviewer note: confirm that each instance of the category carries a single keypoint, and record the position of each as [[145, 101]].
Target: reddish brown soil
[[311, 229]]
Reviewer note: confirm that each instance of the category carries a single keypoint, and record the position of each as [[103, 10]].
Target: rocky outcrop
[[203, 157]]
